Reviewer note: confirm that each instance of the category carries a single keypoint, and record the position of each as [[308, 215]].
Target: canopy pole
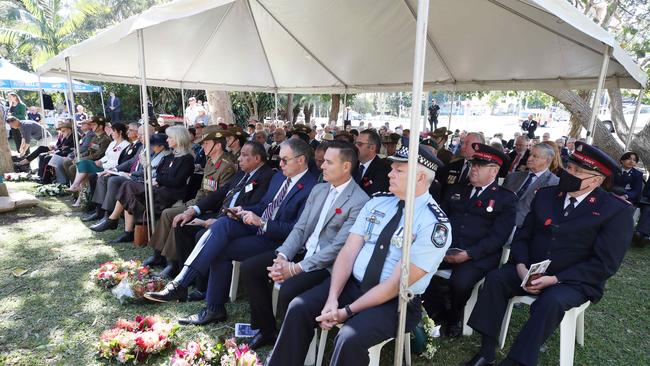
[[70, 102], [599, 91], [101, 96], [276, 105], [451, 109], [637, 109], [145, 113], [345, 104], [405, 294], [183, 105], [40, 98]]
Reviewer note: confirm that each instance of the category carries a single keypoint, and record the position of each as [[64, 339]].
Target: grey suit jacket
[[515, 180], [340, 218]]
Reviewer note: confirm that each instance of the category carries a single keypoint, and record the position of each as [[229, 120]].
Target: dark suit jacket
[[117, 104], [260, 182], [631, 183], [586, 247], [522, 162], [449, 175], [129, 152], [474, 228], [375, 179], [172, 175], [291, 207]]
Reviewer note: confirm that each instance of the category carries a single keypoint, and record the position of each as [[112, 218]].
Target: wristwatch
[[349, 312]]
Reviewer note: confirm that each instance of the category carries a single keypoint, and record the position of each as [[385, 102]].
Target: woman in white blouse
[[108, 161]]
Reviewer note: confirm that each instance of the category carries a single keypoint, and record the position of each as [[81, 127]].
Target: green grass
[[53, 314]]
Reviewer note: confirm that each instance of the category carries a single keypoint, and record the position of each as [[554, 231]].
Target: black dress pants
[[546, 312], [260, 290], [362, 331]]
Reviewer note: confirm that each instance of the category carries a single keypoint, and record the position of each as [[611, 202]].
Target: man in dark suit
[[305, 258], [482, 216], [526, 184], [457, 171], [114, 107], [574, 225], [519, 155], [245, 232], [530, 126], [372, 172]]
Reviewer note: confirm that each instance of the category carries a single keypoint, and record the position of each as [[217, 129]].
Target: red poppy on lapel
[[300, 185], [479, 203], [338, 211], [560, 194], [592, 200], [254, 183], [548, 222], [366, 182]]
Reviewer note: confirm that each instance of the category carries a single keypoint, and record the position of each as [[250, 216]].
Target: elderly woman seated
[[169, 183]]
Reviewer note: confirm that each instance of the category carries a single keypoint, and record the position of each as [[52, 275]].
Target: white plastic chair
[[274, 297], [234, 281], [374, 352], [572, 327]]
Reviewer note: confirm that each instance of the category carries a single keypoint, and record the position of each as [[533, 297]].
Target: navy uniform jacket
[[450, 174], [375, 178], [586, 247], [291, 207], [631, 182], [477, 230]]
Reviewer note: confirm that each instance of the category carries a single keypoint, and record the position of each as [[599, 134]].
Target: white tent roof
[[362, 45], [15, 78]]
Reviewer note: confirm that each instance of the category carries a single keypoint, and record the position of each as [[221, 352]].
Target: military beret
[[425, 157], [593, 158]]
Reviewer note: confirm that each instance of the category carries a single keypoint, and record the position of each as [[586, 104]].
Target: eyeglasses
[[286, 161]]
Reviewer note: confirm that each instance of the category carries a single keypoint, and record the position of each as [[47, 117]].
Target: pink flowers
[[110, 274], [227, 353]]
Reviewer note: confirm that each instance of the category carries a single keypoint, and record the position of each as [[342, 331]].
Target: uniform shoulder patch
[[437, 212], [439, 235], [382, 194]]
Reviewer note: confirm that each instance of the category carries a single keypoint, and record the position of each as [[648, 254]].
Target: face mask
[[569, 182]]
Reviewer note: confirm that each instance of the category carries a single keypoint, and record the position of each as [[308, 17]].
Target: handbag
[[141, 235]]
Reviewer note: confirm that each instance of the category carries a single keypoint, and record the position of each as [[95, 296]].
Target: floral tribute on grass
[[111, 273], [227, 353], [128, 279], [135, 341], [51, 190]]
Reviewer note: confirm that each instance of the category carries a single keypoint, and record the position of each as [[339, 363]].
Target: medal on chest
[[372, 220]]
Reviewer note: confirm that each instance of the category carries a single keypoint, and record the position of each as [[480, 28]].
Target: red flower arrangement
[[134, 341], [226, 353], [111, 273]]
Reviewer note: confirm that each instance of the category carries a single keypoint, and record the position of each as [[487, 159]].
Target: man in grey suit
[[526, 183], [304, 259]]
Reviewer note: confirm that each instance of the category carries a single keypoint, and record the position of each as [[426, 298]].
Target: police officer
[[218, 171], [362, 291], [583, 230], [482, 216]]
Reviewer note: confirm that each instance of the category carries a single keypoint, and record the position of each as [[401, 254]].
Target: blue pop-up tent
[[14, 78]]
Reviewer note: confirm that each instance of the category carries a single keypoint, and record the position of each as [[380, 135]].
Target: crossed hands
[[331, 315], [282, 269]]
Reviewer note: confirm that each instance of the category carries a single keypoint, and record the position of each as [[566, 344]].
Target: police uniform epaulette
[[440, 215], [623, 200], [382, 194]]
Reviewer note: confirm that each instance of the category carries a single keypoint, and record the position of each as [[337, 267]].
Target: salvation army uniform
[[585, 238], [481, 223], [432, 236], [631, 181]]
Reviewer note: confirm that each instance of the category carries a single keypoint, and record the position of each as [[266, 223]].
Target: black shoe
[[126, 237], [261, 340], [204, 317], [478, 360], [169, 271], [171, 292], [106, 224], [196, 295], [453, 330], [155, 260], [98, 214]]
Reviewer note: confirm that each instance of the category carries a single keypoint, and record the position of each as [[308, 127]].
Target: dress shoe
[[478, 360], [453, 330], [93, 216], [155, 260], [204, 317], [169, 271], [261, 340], [106, 224], [171, 292], [196, 295], [125, 237]]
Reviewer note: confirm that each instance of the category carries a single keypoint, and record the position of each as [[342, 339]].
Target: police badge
[[439, 235]]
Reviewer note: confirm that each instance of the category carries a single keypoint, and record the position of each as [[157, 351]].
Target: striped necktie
[[268, 213]]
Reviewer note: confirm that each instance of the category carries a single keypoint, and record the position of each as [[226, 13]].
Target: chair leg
[[407, 348], [469, 306], [321, 346], [567, 338], [234, 282], [375, 353], [274, 298], [310, 359], [580, 328], [504, 324]]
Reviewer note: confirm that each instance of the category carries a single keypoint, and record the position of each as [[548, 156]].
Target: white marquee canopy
[[325, 46]]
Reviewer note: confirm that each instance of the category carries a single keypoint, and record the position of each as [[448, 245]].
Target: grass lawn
[[54, 313]]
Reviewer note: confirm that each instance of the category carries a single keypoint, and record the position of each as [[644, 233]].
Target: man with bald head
[[457, 171]]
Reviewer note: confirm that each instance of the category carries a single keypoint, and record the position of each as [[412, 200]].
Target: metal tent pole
[[451, 109], [637, 109], [276, 105], [183, 105], [70, 101], [143, 92], [40, 98], [345, 104], [101, 96], [599, 91], [405, 294]]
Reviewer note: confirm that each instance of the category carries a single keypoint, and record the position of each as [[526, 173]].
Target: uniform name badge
[[248, 188]]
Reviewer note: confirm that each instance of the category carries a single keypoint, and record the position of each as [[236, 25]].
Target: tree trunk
[[220, 106], [6, 165], [289, 116], [336, 105], [640, 144]]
